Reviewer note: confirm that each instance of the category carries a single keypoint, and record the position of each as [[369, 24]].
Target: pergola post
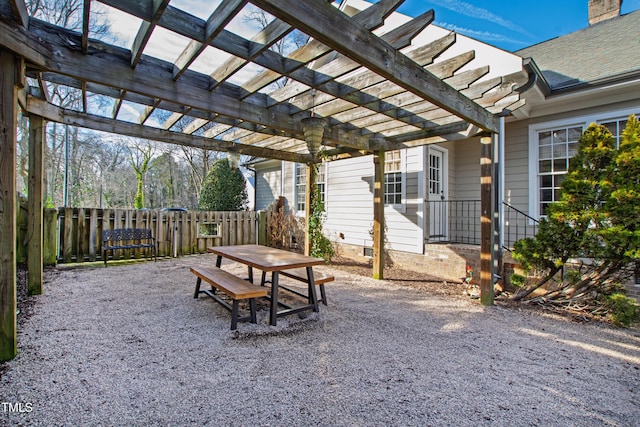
[[378, 216], [10, 71], [35, 222], [308, 203], [486, 221]]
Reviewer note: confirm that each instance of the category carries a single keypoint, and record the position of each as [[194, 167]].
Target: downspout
[[499, 202]]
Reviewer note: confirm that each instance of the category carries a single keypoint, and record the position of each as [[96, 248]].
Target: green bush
[[223, 189], [517, 280], [623, 311]]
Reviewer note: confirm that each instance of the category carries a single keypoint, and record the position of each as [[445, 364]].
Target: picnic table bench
[[128, 238], [301, 275], [234, 287]]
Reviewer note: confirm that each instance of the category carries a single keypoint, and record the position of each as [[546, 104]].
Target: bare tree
[[141, 153]]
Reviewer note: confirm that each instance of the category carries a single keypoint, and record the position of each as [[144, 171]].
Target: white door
[[437, 191]]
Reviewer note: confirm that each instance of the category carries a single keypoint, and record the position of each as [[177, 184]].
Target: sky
[[509, 25]]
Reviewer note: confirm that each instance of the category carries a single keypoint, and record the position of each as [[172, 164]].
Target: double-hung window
[[300, 176], [301, 186], [555, 148], [393, 179], [551, 146]]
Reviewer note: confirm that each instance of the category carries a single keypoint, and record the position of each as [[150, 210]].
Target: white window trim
[[535, 129], [295, 189], [400, 207]]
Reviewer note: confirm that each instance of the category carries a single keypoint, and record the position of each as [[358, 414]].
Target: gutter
[[537, 79]]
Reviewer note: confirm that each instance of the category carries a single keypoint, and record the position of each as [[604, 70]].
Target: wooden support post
[[486, 208], [378, 216], [9, 65], [34, 224], [308, 205]]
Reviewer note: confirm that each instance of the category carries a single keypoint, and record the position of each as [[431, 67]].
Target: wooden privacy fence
[[79, 231]]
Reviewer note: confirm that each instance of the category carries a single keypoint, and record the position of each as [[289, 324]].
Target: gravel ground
[[130, 346]]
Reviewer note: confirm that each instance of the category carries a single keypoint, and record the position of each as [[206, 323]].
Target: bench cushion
[[233, 286]]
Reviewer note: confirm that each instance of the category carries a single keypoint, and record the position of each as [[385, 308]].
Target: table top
[[265, 258]]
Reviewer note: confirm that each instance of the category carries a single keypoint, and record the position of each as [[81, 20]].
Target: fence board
[[93, 233], [67, 252], [81, 242], [80, 231]]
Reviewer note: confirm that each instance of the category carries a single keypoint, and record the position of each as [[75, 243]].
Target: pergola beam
[[323, 22], [104, 124]]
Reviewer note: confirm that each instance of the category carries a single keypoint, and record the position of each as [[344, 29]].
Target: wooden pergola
[[375, 92]]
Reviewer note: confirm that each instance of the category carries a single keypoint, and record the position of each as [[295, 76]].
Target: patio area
[[133, 347]]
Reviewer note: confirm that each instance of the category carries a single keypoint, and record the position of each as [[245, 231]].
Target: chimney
[[601, 10]]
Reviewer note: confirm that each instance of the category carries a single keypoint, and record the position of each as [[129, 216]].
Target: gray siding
[[268, 182], [350, 204]]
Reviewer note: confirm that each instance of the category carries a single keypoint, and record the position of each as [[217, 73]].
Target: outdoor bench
[[301, 275], [234, 287], [127, 238]]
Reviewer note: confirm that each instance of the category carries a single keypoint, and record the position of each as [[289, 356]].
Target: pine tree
[[597, 219]]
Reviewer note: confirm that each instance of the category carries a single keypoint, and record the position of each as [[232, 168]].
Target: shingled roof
[[595, 54]]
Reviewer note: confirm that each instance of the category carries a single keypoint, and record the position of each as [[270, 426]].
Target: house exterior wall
[[268, 185], [350, 203]]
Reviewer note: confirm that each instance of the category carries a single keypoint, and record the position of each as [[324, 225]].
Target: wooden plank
[[86, 16], [323, 22], [193, 227], [378, 216], [371, 18], [233, 226], [146, 29], [82, 237], [220, 17], [106, 225], [37, 137], [185, 248], [8, 206], [153, 78], [20, 12], [50, 246], [275, 30], [251, 232], [67, 233], [94, 235], [138, 222], [486, 208], [104, 124], [225, 228], [240, 227], [160, 233]]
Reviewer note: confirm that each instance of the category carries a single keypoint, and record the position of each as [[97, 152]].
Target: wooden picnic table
[[272, 260]]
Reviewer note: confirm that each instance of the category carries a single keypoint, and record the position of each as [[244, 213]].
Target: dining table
[[272, 260]]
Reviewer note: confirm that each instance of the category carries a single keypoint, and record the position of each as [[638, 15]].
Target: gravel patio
[[129, 345]]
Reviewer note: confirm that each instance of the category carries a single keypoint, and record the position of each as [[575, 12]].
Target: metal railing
[[517, 225], [454, 221], [458, 221]]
